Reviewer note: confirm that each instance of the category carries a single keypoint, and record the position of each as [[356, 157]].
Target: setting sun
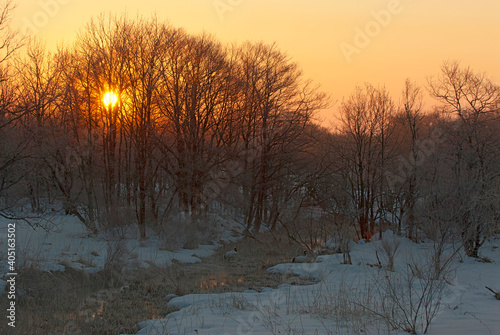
[[110, 99]]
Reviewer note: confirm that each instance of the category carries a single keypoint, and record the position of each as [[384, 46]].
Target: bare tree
[[79, 104], [195, 97], [150, 41], [39, 79], [276, 107], [12, 146], [10, 41], [472, 101], [366, 128], [412, 118]]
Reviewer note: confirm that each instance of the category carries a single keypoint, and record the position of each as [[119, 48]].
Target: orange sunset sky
[[338, 43]]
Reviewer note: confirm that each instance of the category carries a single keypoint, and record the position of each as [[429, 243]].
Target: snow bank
[[465, 307]]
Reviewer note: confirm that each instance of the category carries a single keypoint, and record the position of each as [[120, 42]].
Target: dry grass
[[246, 270], [72, 302]]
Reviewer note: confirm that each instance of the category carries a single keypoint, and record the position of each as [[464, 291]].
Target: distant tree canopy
[[141, 122]]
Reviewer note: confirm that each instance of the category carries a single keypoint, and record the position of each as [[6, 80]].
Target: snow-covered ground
[[66, 242], [334, 304], [346, 299]]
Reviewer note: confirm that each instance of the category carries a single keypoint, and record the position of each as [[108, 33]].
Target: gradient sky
[[409, 39]]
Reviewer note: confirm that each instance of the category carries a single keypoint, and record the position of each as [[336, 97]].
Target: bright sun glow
[[110, 99]]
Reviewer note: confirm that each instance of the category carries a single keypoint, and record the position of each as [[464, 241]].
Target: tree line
[[138, 121]]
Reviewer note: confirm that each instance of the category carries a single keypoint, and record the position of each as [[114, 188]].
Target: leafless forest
[[140, 124]]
